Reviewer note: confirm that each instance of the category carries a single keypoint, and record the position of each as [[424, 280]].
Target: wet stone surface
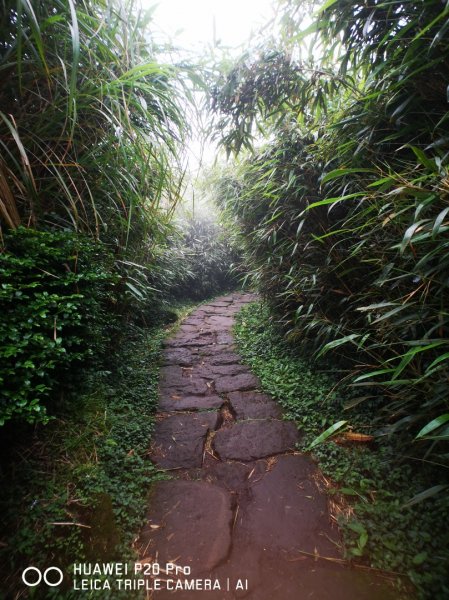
[[224, 358], [178, 440], [180, 357], [289, 519], [254, 405], [243, 504], [191, 386], [188, 523], [255, 439], [172, 402], [232, 383]]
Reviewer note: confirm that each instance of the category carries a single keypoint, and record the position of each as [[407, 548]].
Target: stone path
[[242, 505]]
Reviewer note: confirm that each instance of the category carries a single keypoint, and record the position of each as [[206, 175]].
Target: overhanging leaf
[[434, 424], [432, 491], [326, 434]]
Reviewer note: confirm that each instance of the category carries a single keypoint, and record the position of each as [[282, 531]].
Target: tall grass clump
[[89, 119], [344, 212]]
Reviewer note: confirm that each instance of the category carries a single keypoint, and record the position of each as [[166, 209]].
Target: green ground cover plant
[[76, 489], [391, 525]]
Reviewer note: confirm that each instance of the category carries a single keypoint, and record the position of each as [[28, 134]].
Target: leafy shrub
[[90, 126], [53, 294], [102, 481], [91, 122]]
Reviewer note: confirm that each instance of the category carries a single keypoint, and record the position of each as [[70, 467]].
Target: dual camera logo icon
[[33, 576]]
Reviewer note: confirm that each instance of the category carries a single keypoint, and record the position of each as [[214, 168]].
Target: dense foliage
[[89, 119], [90, 127], [53, 301], [200, 259], [344, 212]]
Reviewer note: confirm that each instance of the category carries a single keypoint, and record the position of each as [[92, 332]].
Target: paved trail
[[242, 505]]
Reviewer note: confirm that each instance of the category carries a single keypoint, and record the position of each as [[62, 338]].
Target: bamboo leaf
[[372, 374], [326, 5], [326, 434], [409, 234], [444, 357], [434, 424], [425, 495], [335, 200], [74, 29], [341, 172], [438, 222], [339, 342], [426, 162], [410, 355]]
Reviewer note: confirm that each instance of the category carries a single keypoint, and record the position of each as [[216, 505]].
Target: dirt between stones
[[243, 508]]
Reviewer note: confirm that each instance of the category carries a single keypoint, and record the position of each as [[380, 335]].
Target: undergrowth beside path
[[78, 492], [381, 527]]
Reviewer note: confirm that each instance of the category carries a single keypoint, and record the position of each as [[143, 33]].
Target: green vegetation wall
[[345, 212], [91, 125]]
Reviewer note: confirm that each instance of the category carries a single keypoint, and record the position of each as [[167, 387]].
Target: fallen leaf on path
[[357, 437]]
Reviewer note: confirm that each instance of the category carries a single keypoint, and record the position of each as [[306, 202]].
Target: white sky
[[191, 22], [195, 24]]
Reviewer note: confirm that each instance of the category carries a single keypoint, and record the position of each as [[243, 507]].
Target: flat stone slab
[[194, 320], [171, 402], [273, 576], [215, 371], [180, 356], [328, 583], [233, 383], [189, 387], [224, 337], [186, 328], [231, 475], [249, 440], [189, 523], [219, 322], [178, 440], [224, 358], [212, 310], [173, 374], [185, 340], [287, 511], [254, 405], [218, 304], [215, 349]]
